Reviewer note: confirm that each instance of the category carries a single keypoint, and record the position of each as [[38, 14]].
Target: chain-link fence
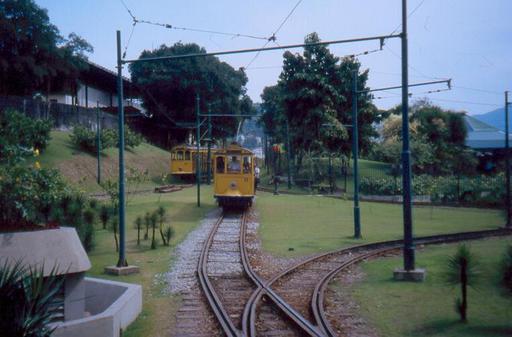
[[383, 182], [64, 116]]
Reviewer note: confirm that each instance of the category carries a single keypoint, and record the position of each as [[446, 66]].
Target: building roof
[[482, 136], [106, 79]]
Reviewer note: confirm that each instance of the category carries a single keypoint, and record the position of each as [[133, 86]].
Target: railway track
[[292, 302], [227, 292]]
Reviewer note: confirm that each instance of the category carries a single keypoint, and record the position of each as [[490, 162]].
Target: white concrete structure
[[91, 307]]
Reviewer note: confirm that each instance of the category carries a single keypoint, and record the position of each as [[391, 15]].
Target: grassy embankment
[[398, 309], [298, 225], [79, 168]]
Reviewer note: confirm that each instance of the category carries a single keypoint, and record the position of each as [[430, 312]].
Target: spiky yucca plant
[[26, 297], [462, 270], [506, 269]]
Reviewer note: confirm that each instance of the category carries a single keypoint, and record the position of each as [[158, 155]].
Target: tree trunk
[[115, 238], [464, 286], [138, 235], [153, 242]]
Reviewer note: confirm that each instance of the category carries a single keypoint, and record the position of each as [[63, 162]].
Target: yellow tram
[[234, 176], [183, 160]]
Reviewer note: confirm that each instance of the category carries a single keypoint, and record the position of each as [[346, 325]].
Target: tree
[[314, 95], [138, 225], [169, 89], [462, 271], [33, 54], [437, 140], [153, 219], [161, 216]]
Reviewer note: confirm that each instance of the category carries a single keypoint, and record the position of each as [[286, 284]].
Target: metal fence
[[64, 116]]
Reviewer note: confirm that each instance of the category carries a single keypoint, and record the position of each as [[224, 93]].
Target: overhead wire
[[408, 16], [273, 37], [135, 21]]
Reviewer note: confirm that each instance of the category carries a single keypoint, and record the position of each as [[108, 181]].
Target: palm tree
[[462, 269], [26, 299], [153, 218], [138, 225], [506, 268], [161, 215]]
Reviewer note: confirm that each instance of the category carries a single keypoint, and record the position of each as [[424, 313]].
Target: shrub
[[26, 299], [20, 134], [86, 139]]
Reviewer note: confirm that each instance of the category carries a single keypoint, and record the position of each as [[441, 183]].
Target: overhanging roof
[[482, 136]]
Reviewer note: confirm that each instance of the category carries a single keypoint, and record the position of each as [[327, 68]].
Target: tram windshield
[[187, 155], [179, 155], [247, 164], [234, 164], [220, 165]]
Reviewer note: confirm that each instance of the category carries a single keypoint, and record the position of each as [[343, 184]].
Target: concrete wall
[[74, 296], [112, 305]]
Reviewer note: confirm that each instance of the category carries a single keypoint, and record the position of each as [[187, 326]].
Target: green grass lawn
[[428, 309], [296, 225], [183, 215], [80, 168]]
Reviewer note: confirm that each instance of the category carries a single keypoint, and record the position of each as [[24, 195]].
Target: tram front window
[[234, 164], [179, 155], [247, 164], [187, 155], [220, 165]]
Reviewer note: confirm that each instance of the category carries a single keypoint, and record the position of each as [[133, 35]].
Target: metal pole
[[406, 153], [507, 163], [98, 140], [355, 154], [208, 165], [288, 157], [120, 112], [330, 172], [198, 136]]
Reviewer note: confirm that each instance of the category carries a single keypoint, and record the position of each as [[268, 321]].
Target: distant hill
[[496, 118]]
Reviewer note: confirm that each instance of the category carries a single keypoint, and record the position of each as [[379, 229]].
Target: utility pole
[[355, 154], [122, 257], [507, 163], [409, 263], [209, 164], [98, 140], [288, 156], [198, 136]]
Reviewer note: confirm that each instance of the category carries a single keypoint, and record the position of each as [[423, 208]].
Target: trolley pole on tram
[[355, 154], [198, 140]]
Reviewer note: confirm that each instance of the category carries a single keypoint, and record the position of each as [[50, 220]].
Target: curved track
[[292, 302]]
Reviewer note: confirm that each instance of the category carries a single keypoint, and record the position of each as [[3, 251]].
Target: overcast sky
[[466, 40]]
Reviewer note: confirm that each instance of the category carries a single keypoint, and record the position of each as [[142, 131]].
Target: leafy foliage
[[19, 135], [33, 54], [314, 95], [86, 139], [481, 190], [170, 88], [26, 297], [462, 270], [437, 141]]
